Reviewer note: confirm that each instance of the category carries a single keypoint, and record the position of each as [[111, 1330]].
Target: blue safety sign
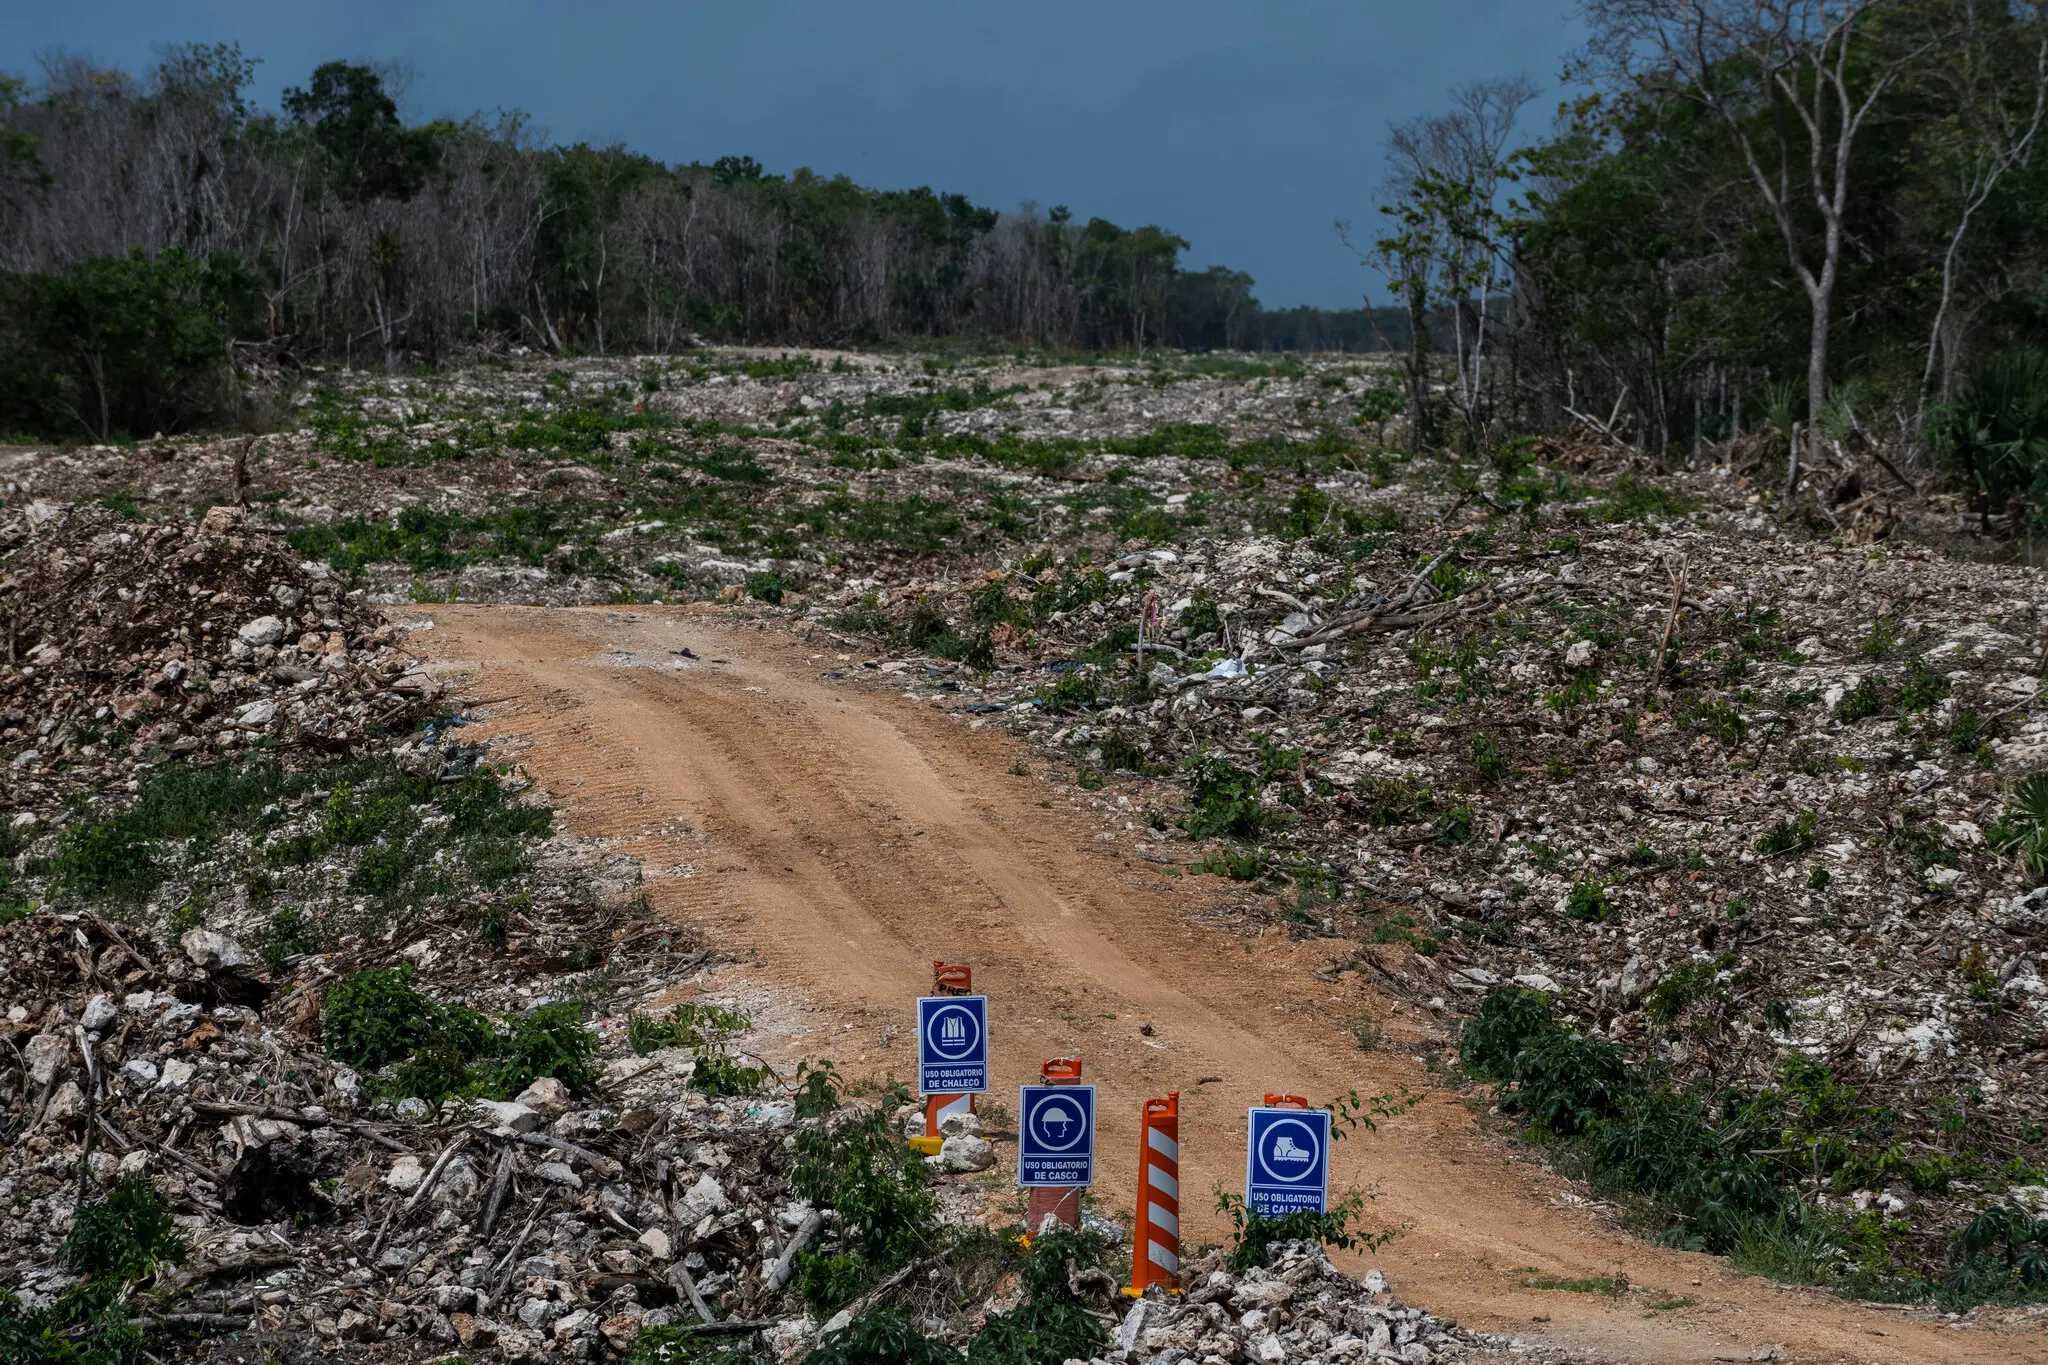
[[952, 1044], [1287, 1162], [1056, 1135]]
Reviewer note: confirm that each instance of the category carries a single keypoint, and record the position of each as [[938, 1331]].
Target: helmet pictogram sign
[[952, 1044], [1287, 1161], [1056, 1135]]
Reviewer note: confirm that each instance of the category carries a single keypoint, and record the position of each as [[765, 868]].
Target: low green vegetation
[[1733, 1168], [410, 1044], [707, 1031], [408, 846], [119, 1245]]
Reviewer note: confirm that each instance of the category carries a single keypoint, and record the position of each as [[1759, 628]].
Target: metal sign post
[[1056, 1143], [1287, 1158], [952, 1049]]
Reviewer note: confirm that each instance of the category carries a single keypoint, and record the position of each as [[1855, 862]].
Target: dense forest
[[331, 228], [1826, 217], [1826, 213]]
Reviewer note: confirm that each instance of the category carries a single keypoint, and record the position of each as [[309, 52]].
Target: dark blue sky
[[1246, 126]]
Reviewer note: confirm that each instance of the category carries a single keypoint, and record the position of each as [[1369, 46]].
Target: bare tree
[[1776, 73], [1444, 251], [1991, 135]]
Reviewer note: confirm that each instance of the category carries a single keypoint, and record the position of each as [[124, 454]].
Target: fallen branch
[[501, 1185], [778, 1274], [603, 1165], [1670, 623], [225, 1109], [681, 1275]]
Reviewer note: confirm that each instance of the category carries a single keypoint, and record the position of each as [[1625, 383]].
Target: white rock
[[256, 714], [582, 1322], [264, 630], [1536, 981], [46, 1054], [547, 1097], [706, 1197], [963, 1152], [177, 1074], [655, 1242], [1580, 654], [99, 1013], [67, 1105], [458, 1184], [140, 1070], [558, 1173], [348, 1085], [210, 948], [405, 1174], [518, 1117]]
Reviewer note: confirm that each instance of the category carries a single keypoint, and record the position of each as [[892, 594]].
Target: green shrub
[[708, 1031], [1996, 432], [1682, 988], [291, 934], [1052, 1324], [1240, 865], [125, 1236], [2005, 1243], [1253, 1235], [1719, 719], [1862, 701], [1784, 837], [549, 1041], [767, 587], [1924, 687], [1070, 692], [1587, 902], [885, 1336], [859, 1166], [2022, 827], [122, 344], [116, 1243], [377, 1017], [1508, 1018]]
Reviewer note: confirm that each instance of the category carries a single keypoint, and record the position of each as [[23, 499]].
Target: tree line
[[148, 226], [1821, 217]]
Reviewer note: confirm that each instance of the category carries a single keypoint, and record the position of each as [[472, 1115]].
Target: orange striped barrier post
[[1052, 1201], [1156, 1259], [1274, 1101], [946, 980]]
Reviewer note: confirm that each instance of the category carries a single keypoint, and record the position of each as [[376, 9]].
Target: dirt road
[[838, 836]]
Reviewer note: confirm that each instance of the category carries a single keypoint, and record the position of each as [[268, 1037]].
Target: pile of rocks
[[555, 1224], [1299, 1308], [125, 638]]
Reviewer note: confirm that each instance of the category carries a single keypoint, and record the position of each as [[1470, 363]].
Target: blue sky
[[1245, 127]]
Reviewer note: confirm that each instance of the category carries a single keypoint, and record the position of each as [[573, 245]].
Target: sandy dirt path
[[838, 836]]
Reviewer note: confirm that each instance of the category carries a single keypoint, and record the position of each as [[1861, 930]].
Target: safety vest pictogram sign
[[1287, 1162], [1056, 1135], [952, 1044]]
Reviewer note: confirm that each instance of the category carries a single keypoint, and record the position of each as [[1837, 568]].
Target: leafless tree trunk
[[1996, 139], [1821, 65]]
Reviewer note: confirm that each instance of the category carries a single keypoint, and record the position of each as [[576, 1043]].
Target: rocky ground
[[1732, 783]]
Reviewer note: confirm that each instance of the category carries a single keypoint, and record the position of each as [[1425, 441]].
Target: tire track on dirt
[[842, 837]]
